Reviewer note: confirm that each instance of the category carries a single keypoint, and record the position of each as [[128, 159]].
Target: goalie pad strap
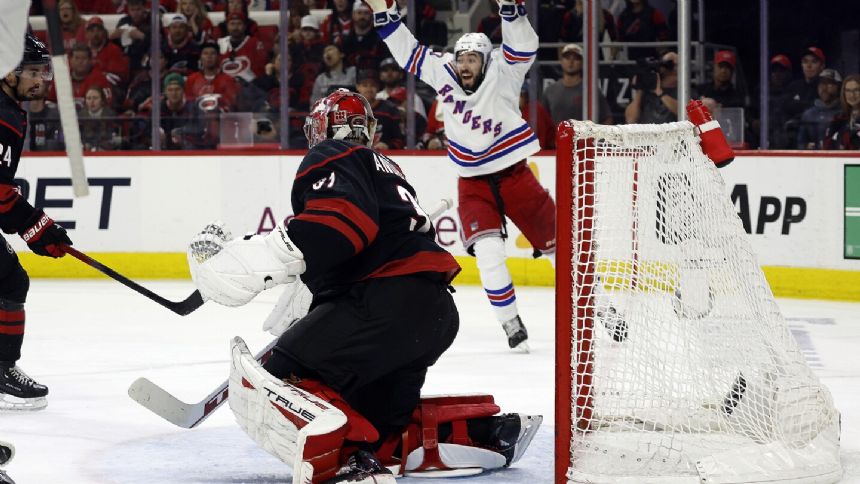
[[423, 432]]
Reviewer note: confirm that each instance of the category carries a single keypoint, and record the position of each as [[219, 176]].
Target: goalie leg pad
[[297, 427], [459, 436]]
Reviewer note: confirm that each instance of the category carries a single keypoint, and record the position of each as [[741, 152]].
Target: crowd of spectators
[[210, 69]]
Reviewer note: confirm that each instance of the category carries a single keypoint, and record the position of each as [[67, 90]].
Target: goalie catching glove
[[233, 271]]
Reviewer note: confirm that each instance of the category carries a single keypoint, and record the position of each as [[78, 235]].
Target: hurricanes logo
[[236, 66]]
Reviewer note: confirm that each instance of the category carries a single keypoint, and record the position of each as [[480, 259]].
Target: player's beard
[[34, 93]]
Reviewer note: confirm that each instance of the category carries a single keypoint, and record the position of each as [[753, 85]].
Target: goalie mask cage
[[674, 364]]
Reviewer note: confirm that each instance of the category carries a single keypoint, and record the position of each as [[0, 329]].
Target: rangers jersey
[[357, 218], [486, 132]]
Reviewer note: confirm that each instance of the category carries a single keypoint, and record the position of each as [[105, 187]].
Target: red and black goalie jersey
[[357, 218], [14, 209]]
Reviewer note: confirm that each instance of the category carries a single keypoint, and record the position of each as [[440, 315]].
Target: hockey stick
[[182, 308], [65, 100], [185, 415]]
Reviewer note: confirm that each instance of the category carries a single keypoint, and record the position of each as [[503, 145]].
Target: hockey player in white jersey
[[13, 26], [478, 92]]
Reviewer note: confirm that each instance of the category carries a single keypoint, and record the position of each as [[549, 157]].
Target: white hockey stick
[[66, 100], [189, 415], [186, 415]]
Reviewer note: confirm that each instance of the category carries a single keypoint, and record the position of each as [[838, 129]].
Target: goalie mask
[[343, 115]]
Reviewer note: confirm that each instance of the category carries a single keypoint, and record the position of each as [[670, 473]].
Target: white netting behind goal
[[683, 369]]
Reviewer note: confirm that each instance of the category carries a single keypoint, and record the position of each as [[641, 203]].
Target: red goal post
[[673, 363]]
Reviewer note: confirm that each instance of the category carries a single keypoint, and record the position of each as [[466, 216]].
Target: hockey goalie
[[365, 312]]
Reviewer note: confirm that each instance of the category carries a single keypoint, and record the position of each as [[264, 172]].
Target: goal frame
[[565, 297], [577, 177]]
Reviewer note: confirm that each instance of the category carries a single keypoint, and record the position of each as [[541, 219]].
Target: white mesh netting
[[692, 374]]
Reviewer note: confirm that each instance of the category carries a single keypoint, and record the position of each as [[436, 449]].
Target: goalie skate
[[514, 433], [20, 392]]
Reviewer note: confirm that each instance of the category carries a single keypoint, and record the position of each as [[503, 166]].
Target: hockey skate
[[362, 467], [512, 434], [20, 392], [517, 334]]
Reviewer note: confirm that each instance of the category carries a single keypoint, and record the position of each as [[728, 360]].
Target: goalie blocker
[[311, 428]]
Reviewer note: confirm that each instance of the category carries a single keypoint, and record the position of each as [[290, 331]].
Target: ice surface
[[88, 340]]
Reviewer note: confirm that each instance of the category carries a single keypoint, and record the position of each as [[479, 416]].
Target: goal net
[[674, 364]]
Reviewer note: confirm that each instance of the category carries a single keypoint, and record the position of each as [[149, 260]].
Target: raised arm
[[519, 40], [434, 68]]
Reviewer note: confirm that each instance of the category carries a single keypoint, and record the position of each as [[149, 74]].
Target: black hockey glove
[[43, 236]]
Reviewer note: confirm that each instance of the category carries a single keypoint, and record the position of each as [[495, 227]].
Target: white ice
[[88, 340]]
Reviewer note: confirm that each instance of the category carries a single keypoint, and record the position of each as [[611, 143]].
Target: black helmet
[[35, 52]]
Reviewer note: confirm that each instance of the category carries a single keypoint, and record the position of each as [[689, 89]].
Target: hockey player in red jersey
[[339, 399], [17, 390]]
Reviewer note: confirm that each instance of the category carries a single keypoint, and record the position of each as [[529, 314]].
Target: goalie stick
[[189, 415], [185, 415], [65, 99], [182, 308]]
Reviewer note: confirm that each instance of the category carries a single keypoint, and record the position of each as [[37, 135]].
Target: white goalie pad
[[295, 426], [233, 271]]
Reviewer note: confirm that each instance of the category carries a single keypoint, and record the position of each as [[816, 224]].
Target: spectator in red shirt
[[84, 76], [72, 24], [133, 34], [198, 20], [182, 52], [243, 56], [107, 56], [236, 6], [338, 24], [210, 80]]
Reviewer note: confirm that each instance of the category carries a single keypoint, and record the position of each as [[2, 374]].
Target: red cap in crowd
[[781, 60], [95, 21], [725, 56], [812, 50]]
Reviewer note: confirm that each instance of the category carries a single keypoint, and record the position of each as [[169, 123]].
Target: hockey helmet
[[35, 53], [343, 115], [475, 42]]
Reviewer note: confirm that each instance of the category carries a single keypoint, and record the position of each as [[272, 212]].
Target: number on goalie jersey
[[357, 218]]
